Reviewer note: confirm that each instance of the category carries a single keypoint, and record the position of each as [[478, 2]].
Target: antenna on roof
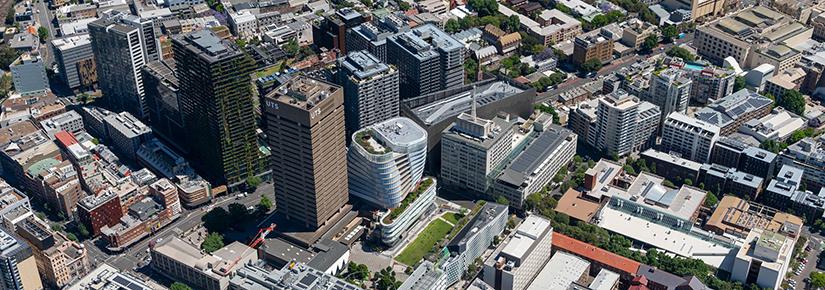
[[473, 103]]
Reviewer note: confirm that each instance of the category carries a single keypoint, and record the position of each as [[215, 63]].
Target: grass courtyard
[[415, 251], [452, 217]]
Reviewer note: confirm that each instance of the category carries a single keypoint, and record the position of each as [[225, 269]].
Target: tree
[[502, 200], [357, 272], [81, 229], [711, 200], [471, 69], [513, 23], [688, 181], [7, 56], [237, 213], [793, 101], [738, 83], [650, 43], [212, 242], [668, 183], [216, 220], [43, 33], [179, 286], [265, 203], [253, 181], [367, 3], [10, 15], [681, 53], [591, 65], [817, 279], [669, 32], [452, 26], [404, 6], [292, 48], [6, 85], [385, 280], [484, 7]]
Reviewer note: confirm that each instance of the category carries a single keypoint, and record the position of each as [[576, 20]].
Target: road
[[130, 259], [815, 242], [574, 81], [43, 16]]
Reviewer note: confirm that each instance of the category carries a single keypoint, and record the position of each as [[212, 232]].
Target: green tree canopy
[[649, 44], [484, 7], [738, 83], [681, 53], [817, 279], [179, 286], [216, 220], [7, 56], [212, 242], [591, 65], [711, 200], [793, 101], [385, 280], [669, 32], [265, 203]]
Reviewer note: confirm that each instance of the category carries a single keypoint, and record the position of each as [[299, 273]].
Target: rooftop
[[672, 159], [293, 276], [712, 251], [732, 107], [363, 65], [427, 41], [437, 111], [593, 253], [787, 181], [303, 92], [106, 277], [393, 134], [70, 42], [562, 270], [127, 124], [535, 155], [207, 45], [488, 212]]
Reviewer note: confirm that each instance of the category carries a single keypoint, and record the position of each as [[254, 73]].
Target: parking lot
[[799, 275]]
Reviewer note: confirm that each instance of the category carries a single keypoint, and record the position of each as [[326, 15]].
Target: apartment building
[[181, 261], [428, 60], [730, 112], [691, 138]]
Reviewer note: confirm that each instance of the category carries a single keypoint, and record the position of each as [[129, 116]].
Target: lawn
[[425, 241], [452, 217]]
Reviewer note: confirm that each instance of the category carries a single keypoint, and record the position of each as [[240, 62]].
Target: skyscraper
[[386, 161], [670, 90], [428, 60], [119, 57], [305, 126], [216, 101], [370, 90]]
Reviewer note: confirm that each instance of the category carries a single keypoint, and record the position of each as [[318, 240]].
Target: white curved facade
[[386, 160], [392, 230]]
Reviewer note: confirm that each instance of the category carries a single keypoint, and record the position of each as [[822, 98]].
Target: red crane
[[262, 233]]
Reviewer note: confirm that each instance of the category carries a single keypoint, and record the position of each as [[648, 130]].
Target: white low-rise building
[[243, 24], [777, 126]]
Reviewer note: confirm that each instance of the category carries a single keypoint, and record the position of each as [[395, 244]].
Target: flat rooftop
[[396, 132], [544, 146], [672, 159], [714, 253], [363, 65], [562, 270], [648, 189], [303, 92]]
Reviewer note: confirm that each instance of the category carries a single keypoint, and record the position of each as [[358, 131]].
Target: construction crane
[[262, 233]]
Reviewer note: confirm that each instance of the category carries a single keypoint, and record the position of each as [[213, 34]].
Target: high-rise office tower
[[216, 103], [372, 36], [370, 90], [305, 126], [149, 34], [386, 161], [670, 90], [119, 57], [428, 60], [616, 127], [163, 102]]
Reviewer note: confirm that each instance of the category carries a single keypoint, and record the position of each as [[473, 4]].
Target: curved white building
[[395, 222], [386, 160]]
